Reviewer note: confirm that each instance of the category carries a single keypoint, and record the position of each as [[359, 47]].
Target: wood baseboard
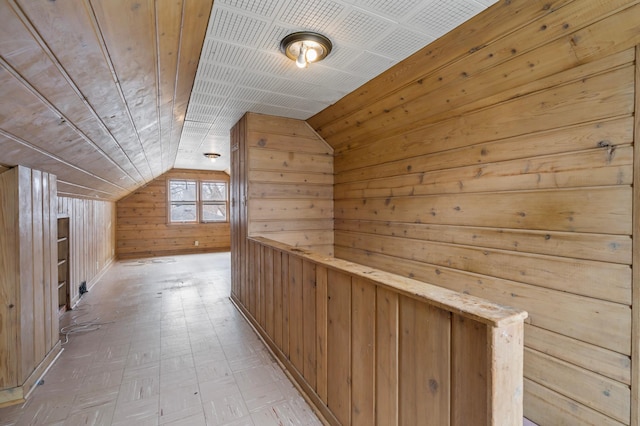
[[93, 281]]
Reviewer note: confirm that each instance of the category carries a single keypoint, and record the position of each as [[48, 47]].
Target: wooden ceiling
[[96, 91]]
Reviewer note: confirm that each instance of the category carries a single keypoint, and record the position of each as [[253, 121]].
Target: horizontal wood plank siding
[[143, 228], [289, 182], [499, 161]]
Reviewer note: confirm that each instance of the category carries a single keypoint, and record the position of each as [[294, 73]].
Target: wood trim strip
[[467, 306], [55, 157], [635, 283]]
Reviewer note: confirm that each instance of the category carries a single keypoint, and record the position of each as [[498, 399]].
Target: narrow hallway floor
[[162, 345]]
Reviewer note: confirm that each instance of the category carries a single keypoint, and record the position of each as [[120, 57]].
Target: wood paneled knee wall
[[372, 348], [29, 339]]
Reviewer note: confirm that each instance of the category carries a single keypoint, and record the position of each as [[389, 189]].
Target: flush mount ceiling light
[[212, 156], [305, 47]]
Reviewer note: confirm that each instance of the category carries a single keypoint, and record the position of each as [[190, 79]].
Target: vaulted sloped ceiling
[[96, 91], [109, 94]]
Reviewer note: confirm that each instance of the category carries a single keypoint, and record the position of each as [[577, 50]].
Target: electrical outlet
[[196, 243]]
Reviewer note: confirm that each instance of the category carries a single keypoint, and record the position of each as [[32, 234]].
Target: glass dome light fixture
[[212, 156], [305, 47]]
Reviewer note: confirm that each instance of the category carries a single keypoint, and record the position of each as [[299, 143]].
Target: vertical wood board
[[296, 313], [425, 363], [339, 345], [363, 355], [309, 332]]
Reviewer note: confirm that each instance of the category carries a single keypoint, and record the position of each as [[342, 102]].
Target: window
[[214, 201], [192, 201]]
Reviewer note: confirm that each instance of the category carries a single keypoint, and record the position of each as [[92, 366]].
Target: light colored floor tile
[[138, 411], [217, 388], [177, 363], [101, 380], [178, 399], [242, 421], [236, 349], [110, 352], [224, 409], [48, 410], [147, 421], [304, 412], [9, 415], [142, 357], [288, 389], [194, 420], [209, 345], [183, 377], [259, 397], [140, 388], [94, 415], [107, 367], [213, 370], [256, 359], [145, 344], [257, 376], [151, 370], [95, 398], [171, 350], [174, 416]]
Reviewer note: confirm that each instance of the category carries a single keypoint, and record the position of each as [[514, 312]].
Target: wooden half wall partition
[[143, 228], [91, 240], [281, 187], [29, 340], [373, 348], [282, 182]]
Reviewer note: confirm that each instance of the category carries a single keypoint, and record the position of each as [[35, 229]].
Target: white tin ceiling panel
[[241, 68]]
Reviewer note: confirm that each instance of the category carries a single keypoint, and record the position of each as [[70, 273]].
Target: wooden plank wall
[[92, 240], [370, 349], [10, 266], [498, 161], [289, 183], [28, 282], [143, 228]]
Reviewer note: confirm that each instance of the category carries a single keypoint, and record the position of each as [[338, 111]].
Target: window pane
[[182, 190], [214, 191], [214, 212], [183, 212]]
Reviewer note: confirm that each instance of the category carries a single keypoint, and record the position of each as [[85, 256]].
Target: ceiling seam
[[174, 152], [83, 187], [55, 157], [158, 89]]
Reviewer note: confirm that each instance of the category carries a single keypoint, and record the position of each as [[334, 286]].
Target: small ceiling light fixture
[[305, 47], [212, 156]]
